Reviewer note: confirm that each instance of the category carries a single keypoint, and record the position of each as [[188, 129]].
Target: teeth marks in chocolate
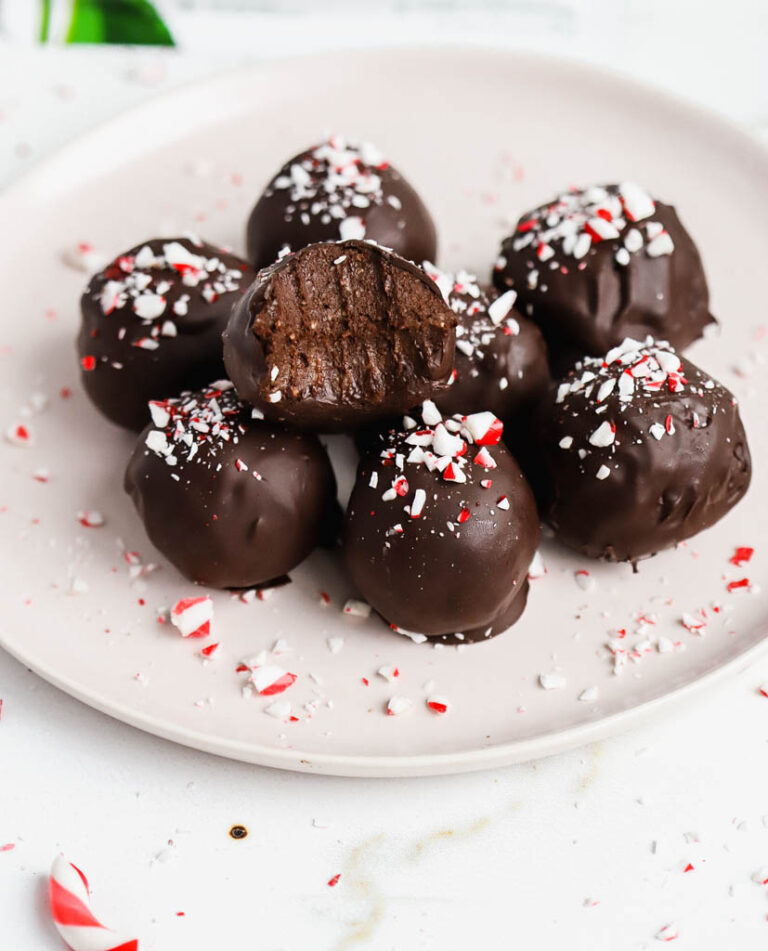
[[329, 346], [339, 190]]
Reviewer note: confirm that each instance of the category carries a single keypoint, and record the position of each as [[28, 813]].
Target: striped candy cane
[[72, 915]]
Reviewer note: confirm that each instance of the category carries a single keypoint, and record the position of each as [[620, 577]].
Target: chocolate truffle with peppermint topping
[[441, 528], [501, 358], [152, 323], [232, 501], [599, 264], [640, 450], [339, 334], [335, 191]]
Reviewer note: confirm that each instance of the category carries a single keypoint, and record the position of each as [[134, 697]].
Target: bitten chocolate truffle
[[600, 264], [339, 334], [501, 358], [441, 528], [232, 501], [335, 191], [640, 450], [152, 323]]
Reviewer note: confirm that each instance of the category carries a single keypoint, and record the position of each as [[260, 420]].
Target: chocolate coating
[[152, 323], [339, 334], [501, 358], [640, 450], [440, 543], [334, 191], [597, 265], [230, 500]]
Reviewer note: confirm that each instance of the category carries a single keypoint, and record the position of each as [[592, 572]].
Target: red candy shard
[[741, 556], [736, 585], [192, 616]]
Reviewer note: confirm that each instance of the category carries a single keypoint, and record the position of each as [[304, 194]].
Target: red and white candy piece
[[437, 704], [271, 679], [84, 257], [90, 518], [70, 903], [19, 435], [485, 428], [192, 616], [398, 705]]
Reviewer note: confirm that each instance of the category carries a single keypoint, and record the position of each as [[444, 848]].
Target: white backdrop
[[584, 851]]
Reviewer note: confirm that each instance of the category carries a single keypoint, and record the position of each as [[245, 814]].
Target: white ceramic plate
[[483, 134]]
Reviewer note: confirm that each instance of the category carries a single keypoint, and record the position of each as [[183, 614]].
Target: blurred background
[[51, 50]]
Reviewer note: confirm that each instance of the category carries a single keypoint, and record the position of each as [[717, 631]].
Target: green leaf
[[134, 22]]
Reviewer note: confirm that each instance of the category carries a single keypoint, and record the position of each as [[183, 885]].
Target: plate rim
[[350, 764]]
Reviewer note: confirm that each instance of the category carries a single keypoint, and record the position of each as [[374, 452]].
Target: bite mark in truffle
[[337, 334]]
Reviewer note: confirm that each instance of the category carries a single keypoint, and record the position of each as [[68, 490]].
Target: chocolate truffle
[[640, 450], [335, 191], [501, 358], [599, 264], [441, 528], [338, 334], [232, 501], [152, 323]]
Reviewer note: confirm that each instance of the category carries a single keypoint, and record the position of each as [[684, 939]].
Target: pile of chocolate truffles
[[339, 321]]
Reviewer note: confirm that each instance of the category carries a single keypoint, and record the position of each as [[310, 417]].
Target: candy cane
[[72, 915]]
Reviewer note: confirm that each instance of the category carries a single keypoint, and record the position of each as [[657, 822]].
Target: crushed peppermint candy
[[192, 616], [84, 257], [567, 229], [20, 435], [155, 283], [336, 181], [269, 679], [355, 608], [195, 426], [552, 680], [90, 518], [389, 672], [438, 704], [626, 396], [398, 705], [481, 318]]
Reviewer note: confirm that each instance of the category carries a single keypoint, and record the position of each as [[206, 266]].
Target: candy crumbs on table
[[552, 680], [192, 617], [269, 680], [90, 518], [438, 704], [70, 905], [19, 434], [398, 705], [741, 556]]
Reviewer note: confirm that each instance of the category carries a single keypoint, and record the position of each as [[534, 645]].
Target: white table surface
[[584, 851]]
